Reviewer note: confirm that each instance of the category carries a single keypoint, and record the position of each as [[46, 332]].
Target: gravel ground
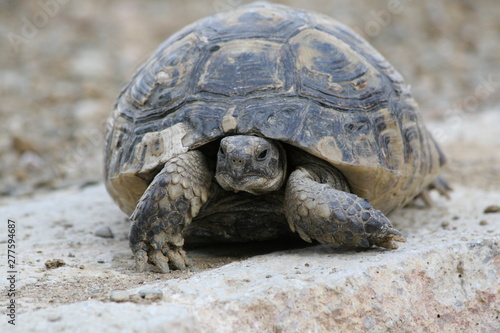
[[64, 62]]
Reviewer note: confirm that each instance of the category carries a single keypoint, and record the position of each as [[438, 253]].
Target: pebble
[[54, 317], [151, 294], [119, 296], [492, 209], [54, 263], [104, 232]]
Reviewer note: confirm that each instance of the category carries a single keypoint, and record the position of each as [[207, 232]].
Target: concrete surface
[[444, 279]]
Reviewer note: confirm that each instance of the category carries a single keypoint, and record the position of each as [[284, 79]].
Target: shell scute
[[242, 67], [333, 73]]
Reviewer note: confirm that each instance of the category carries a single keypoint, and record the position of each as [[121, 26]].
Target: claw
[[178, 258], [141, 258], [387, 239], [440, 185], [160, 261]]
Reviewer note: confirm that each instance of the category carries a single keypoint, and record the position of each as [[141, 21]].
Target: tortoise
[[260, 122]]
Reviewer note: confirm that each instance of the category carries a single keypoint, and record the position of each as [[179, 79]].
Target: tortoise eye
[[262, 155]]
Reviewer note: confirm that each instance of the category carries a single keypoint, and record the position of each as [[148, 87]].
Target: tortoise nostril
[[238, 161]]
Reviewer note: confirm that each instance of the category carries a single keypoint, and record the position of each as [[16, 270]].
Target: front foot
[[319, 211], [161, 253], [171, 201]]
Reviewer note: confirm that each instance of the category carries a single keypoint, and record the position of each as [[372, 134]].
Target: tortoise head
[[251, 164]]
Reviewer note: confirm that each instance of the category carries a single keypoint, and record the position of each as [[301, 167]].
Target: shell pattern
[[298, 77]]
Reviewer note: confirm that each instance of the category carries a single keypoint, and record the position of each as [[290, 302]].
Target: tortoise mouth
[[254, 183]]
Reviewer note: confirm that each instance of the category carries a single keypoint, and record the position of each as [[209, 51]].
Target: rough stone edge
[[400, 295]]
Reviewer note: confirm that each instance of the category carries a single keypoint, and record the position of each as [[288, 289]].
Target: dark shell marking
[[294, 76]]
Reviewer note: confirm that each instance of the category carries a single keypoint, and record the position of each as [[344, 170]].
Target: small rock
[[100, 261], [54, 263], [22, 145], [30, 161], [54, 317], [104, 232], [151, 294], [483, 222], [119, 296], [492, 209], [445, 224]]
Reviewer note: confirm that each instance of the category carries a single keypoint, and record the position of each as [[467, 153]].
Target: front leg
[[317, 209], [168, 205]]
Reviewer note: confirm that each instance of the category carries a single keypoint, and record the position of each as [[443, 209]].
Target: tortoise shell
[[294, 76]]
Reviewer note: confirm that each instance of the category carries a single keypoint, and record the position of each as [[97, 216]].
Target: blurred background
[[64, 62]]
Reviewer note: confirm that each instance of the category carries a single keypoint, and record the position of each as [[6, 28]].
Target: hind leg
[[440, 185], [171, 201]]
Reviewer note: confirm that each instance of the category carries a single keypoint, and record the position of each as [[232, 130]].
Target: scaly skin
[[172, 200], [320, 211], [317, 204]]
